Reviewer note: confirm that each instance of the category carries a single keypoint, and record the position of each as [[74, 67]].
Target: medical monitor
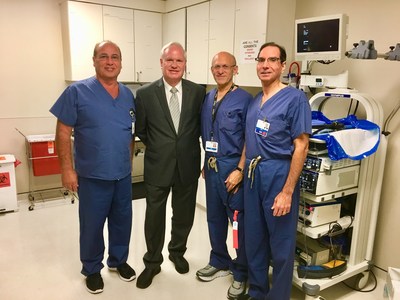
[[321, 38]]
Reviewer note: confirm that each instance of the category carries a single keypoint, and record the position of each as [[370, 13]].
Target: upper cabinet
[[204, 29], [137, 33], [250, 33], [236, 26], [239, 27], [197, 42], [174, 27], [222, 30], [148, 38], [118, 27], [82, 27]]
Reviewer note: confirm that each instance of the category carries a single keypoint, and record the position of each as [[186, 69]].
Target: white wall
[[31, 75], [380, 79]]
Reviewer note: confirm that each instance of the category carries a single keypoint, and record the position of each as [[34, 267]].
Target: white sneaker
[[209, 273], [236, 289]]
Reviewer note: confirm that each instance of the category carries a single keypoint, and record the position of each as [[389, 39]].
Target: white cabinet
[[148, 37], [174, 27], [82, 26], [225, 25], [137, 33], [118, 27], [250, 31], [221, 32], [197, 43]]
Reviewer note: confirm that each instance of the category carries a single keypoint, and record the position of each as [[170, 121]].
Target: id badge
[[262, 128], [212, 146]]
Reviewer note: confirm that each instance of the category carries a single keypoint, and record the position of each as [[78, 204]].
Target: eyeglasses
[[271, 60], [113, 57], [223, 67]]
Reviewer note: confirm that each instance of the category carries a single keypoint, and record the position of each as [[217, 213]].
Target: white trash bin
[[8, 189]]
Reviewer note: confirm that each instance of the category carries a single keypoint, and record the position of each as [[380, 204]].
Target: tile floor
[[39, 259]]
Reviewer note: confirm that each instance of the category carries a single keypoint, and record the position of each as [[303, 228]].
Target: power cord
[[365, 291]]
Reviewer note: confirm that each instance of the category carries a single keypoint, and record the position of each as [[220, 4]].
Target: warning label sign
[[5, 180]]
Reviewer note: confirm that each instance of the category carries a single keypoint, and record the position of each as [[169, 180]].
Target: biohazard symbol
[[4, 179]]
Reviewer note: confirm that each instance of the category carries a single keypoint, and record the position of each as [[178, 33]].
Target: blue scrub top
[[102, 128], [228, 127], [289, 115]]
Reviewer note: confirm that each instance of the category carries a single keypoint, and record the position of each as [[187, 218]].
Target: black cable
[[322, 103], [389, 118], [365, 291], [326, 62], [334, 126], [351, 104], [380, 268]]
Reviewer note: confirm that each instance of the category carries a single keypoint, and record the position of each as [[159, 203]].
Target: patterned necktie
[[174, 108]]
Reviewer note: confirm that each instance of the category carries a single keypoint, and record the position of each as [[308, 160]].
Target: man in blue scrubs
[[278, 125], [100, 111], [222, 129]]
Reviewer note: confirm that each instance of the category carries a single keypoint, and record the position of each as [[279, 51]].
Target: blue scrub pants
[[268, 238], [220, 209], [101, 200]]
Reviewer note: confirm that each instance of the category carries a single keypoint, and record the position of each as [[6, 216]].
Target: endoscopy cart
[[367, 195], [43, 161]]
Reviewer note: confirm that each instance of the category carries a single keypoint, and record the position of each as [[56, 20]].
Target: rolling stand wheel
[[31, 200], [311, 291], [359, 281]]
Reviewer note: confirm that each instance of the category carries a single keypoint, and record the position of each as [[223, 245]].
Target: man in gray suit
[[172, 158]]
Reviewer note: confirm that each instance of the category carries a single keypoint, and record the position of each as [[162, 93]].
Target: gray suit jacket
[[166, 150]]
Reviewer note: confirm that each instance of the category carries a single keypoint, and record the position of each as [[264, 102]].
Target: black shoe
[[181, 264], [245, 297], [94, 283], [125, 272], [146, 277]]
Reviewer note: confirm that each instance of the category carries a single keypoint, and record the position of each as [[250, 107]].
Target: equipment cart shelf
[[43, 161], [367, 197]]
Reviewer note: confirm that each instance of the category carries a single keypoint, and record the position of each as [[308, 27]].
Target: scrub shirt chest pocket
[[270, 128], [231, 121]]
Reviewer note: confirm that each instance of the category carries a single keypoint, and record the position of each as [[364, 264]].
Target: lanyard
[[215, 107]]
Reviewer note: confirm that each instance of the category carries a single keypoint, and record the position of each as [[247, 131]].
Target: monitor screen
[[320, 38]]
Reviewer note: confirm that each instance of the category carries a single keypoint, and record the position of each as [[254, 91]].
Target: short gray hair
[[166, 46]]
